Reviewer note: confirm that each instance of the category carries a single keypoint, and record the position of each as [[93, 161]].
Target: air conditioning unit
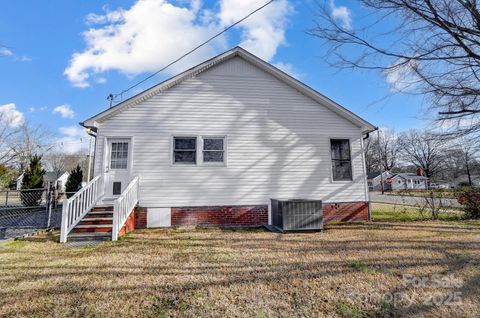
[[297, 215]]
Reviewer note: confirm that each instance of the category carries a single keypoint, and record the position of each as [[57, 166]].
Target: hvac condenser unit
[[297, 215]]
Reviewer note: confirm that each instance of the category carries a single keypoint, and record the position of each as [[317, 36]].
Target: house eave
[[364, 125]]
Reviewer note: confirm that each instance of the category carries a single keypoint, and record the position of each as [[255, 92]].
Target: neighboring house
[[375, 181], [405, 181], [55, 179], [19, 182], [213, 145]]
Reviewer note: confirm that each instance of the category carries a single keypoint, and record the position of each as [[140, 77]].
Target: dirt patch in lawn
[[354, 270]]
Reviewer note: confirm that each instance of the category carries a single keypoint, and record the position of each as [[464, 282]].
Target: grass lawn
[[439, 193], [351, 270], [387, 212]]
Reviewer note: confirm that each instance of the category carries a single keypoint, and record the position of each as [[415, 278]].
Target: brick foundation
[[345, 212], [129, 223], [140, 218], [136, 220], [255, 215]]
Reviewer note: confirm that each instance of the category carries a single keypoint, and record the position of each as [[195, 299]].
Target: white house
[[374, 180], [405, 181], [57, 180], [213, 145]]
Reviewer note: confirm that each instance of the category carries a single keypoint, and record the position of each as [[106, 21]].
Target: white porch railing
[[78, 205], [123, 207]]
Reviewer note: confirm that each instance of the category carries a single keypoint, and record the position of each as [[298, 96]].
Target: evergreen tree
[[32, 179], [74, 181]]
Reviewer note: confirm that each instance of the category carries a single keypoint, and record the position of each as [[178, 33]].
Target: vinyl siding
[[278, 142]]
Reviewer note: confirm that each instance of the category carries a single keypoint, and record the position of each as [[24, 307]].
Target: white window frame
[[331, 159], [128, 155], [172, 151], [199, 151], [224, 163]]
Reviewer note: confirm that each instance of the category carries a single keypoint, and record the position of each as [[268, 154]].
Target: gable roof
[[372, 175], [249, 57], [375, 174], [412, 176], [52, 175]]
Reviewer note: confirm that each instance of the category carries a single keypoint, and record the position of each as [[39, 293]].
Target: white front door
[[117, 169]]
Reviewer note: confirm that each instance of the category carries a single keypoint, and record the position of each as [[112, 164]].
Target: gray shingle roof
[[412, 176]]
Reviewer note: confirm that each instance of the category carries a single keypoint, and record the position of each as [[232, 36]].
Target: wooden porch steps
[[96, 225], [80, 237]]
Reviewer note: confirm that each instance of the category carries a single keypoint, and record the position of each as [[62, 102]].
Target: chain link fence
[[26, 211], [415, 205]]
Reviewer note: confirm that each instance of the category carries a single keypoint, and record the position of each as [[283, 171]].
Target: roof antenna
[[110, 98]]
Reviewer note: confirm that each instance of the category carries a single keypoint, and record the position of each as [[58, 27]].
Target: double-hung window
[[185, 150], [341, 160], [213, 149]]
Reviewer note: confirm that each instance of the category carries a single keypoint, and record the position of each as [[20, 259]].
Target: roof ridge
[[220, 58]]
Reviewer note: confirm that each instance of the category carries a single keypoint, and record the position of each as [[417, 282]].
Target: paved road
[[410, 200]]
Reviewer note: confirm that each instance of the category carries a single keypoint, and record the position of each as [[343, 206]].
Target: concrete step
[[79, 237]]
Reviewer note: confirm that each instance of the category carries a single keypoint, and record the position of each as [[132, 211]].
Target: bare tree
[[371, 154], [383, 152], [60, 162], [466, 154], [430, 47], [28, 141], [424, 150], [389, 148]]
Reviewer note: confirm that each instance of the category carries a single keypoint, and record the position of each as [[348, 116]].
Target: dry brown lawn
[[347, 271]]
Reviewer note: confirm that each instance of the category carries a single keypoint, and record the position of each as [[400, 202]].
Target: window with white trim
[[119, 155], [185, 150], [341, 160], [213, 149]]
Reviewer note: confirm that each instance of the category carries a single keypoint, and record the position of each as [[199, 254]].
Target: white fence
[[77, 206], [123, 207]]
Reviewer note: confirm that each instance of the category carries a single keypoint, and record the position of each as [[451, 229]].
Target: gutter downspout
[[93, 144], [367, 193], [382, 185]]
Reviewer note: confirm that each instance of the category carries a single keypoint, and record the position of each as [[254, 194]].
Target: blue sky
[[40, 72]]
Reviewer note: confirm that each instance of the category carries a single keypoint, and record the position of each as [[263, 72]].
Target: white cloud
[[288, 68], [263, 32], [402, 77], [152, 33], [6, 52], [10, 116], [64, 110], [342, 14], [101, 80], [73, 139]]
